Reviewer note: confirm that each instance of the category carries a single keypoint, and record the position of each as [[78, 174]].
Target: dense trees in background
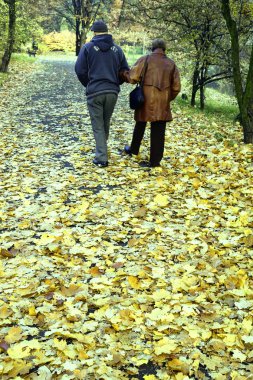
[[194, 28], [213, 39]]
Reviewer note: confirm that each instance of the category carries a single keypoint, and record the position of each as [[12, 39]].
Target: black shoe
[[127, 150], [100, 164], [146, 164]]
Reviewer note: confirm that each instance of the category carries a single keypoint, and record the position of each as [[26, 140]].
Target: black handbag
[[136, 97]]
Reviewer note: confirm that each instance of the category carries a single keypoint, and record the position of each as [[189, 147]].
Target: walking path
[[123, 272]]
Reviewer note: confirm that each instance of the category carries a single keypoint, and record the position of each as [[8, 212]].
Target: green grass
[[132, 58], [22, 57], [221, 104], [132, 53], [217, 105]]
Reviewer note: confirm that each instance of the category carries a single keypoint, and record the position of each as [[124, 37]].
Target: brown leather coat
[[161, 85]]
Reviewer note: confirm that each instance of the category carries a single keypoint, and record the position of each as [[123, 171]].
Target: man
[[99, 67]]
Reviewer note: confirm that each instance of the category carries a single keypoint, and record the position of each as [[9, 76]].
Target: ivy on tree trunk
[[11, 35]]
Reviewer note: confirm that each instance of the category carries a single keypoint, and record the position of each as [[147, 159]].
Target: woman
[[161, 86]]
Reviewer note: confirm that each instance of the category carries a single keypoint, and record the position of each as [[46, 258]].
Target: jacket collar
[[158, 51]]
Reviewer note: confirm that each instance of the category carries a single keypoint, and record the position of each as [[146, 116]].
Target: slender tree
[[86, 11], [243, 87], [11, 35]]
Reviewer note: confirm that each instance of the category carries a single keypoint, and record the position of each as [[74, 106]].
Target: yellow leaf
[[18, 351], [181, 376], [70, 351], [84, 205], [230, 339], [14, 334], [134, 282], [193, 334], [196, 183], [179, 365], [165, 346], [161, 200], [32, 311], [1, 269], [60, 344], [239, 355], [5, 312], [20, 366], [133, 242]]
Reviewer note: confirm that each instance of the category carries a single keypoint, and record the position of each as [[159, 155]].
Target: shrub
[[63, 41]]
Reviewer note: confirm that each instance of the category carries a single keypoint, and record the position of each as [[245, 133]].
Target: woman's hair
[[158, 43]]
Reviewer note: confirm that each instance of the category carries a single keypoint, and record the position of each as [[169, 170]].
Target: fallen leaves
[[122, 272]]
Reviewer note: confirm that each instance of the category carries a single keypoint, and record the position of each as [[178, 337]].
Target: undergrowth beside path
[[123, 272]]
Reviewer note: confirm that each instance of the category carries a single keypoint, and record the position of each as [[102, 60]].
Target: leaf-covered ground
[[124, 272]]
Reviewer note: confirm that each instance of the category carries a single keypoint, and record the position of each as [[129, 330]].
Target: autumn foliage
[[124, 272]]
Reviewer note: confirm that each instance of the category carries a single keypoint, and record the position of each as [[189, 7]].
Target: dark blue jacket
[[98, 65]]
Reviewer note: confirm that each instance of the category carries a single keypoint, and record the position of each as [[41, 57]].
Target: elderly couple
[[101, 67]]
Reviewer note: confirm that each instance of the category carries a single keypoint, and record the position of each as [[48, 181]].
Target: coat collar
[[158, 51]]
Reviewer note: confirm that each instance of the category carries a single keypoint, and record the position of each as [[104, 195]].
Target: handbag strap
[[143, 73]]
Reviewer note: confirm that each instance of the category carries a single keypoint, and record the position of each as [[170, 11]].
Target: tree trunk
[[11, 36], [244, 96], [195, 85], [247, 105], [78, 37], [247, 124], [77, 11], [83, 36], [84, 13], [202, 96], [193, 97], [202, 80]]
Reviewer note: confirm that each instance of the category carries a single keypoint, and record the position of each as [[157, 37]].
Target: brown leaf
[[140, 213], [118, 265], [248, 241], [9, 254], [72, 290], [49, 295], [133, 242], [95, 271], [4, 345]]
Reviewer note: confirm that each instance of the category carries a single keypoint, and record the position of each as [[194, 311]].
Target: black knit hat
[[99, 27]]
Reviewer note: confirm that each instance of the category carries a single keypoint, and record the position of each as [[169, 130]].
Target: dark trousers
[[101, 108], [157, 137]]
